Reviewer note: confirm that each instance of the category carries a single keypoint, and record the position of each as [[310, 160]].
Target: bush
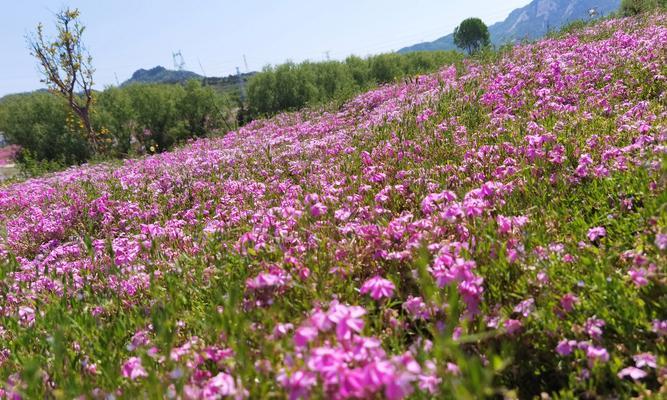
[[136, 118], [290, 86], [635, 7], [43, 127]]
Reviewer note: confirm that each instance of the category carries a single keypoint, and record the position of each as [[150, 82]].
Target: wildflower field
[[497, 229]]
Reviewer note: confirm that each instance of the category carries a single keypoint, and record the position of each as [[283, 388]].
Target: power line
[[201, 67]]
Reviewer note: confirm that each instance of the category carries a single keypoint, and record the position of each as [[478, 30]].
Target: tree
[[471, 35], [37, 122], [67, 67]]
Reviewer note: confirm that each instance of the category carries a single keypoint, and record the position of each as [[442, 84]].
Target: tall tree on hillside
[[471, 35], [67, 68]]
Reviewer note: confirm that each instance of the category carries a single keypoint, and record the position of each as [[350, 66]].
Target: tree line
[[131, 120], [291, 86], [72, 123]]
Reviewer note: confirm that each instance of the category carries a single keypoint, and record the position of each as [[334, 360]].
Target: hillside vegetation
[[137, 119], [144, 117], [493, 230], [290, 87]]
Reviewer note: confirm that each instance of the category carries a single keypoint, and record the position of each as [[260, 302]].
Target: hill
[[492, 230], [160, 74], [530, 22], [228, 84]]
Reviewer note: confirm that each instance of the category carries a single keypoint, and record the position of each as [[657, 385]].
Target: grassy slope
[[102, 264]]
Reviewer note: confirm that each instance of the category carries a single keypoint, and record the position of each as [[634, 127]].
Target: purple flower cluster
[[388, 208]]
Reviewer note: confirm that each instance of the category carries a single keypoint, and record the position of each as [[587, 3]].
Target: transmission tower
[[179, 61], [593, 12]]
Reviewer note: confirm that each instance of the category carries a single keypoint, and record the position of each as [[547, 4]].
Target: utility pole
[[326, 54], [241, 83]]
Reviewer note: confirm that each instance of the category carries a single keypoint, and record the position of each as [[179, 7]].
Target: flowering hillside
[[500, 230]]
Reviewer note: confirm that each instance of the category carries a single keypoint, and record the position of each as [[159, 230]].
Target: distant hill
[[529, 22], [160, 74], [229, 84], [13, 95]]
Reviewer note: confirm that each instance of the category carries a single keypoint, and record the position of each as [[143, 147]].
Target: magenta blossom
[[304, 335], [565, 347], [378, 288], [512, 326], [632, 372], [597, 354], [596, 233], [221, 385], [298, 384], [318, 209], [645, 360], [133, 369], [594, 327], [568, 302], [347, 319], [526, 307], [639, 276]]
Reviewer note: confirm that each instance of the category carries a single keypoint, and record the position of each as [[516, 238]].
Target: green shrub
[[43, 127], [291, 86], [136, 119], [635, 7]]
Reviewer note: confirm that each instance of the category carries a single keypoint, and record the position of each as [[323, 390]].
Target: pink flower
[[526, 307], [281, 330], [453, 369], [219, 386], [597, 354], [318, 209], [305, 335], [504, 224], [26, 316], [645, 360], [594, 326], [133, 369], [660, 327], [429, 381], [298, 384], [416, 307], [596, 233], [565, 347], [378, 288], [568, 301], [661, 241], [512, 326], [638, 276], [347, 319], [632, 372]]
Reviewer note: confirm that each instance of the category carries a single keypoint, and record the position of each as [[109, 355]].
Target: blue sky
[[125, 35]]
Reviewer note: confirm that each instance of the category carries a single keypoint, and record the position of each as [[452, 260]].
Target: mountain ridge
[[528, 22]]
